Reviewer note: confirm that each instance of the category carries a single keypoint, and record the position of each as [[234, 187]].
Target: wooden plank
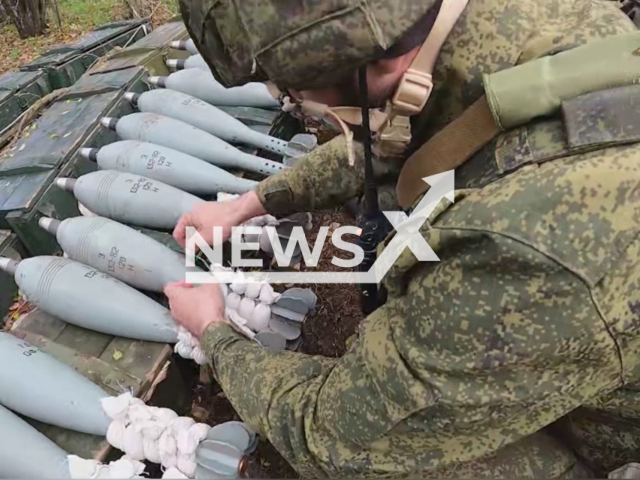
[[40, 323], [143, 360], [83, 341]]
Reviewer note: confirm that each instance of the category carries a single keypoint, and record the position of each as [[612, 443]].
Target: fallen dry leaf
[[117, 355], [199, 414], [19, 307]]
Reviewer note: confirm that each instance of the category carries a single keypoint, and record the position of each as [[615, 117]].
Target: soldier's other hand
[[196, 307], [206, 216]]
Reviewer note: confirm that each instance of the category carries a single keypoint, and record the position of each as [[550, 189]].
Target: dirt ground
[[338, 314], [326, 333]]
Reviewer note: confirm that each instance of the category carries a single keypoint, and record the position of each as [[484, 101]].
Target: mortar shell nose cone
[[177, 64], [44, 222], [178, 45], [8, 265], [51, 225], [157, 81], [66, 184], [109, 122], [89, 153], [132, 97]]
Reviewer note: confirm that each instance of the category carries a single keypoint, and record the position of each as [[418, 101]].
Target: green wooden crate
[[150, 52], [65, 65], [18, 91], [62, 54], [51, 150], [162, 35]]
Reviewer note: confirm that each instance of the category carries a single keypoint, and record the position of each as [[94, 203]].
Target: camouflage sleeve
[[321, 180], [275, 393], [480, 350]]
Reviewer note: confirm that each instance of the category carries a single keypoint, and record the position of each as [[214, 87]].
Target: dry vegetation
[[77, 18]]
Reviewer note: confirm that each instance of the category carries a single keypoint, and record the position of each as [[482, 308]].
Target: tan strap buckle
[[413, 92], [394, 139], [397, 130]]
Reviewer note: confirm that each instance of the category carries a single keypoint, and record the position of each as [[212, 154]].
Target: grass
[[78, 17], [87, 13]]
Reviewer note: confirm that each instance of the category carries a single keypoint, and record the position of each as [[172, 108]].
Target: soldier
[[530, 321]]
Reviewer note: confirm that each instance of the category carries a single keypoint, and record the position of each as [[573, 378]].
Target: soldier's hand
[[205, 216], [196, 307]]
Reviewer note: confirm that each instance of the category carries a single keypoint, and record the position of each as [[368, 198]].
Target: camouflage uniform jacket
[[531, 313]]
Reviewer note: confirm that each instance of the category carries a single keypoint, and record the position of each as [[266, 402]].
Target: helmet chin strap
[[392, 124]]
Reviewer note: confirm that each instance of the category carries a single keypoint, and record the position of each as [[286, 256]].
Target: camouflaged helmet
[[297, 44]]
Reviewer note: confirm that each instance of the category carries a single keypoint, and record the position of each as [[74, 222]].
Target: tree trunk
[[55, 9], [3, 15], [28, 16]]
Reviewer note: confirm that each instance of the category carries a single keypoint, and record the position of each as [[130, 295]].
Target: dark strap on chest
[[447, 150]]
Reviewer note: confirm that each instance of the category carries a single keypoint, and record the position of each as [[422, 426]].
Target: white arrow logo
[[408, 228]]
